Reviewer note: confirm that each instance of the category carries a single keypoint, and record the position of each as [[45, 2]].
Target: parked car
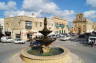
[[35, 44], [73, 34], [92, 39], [5, 39], [19, 41], [85, 35], [52, 36], [65, 38]]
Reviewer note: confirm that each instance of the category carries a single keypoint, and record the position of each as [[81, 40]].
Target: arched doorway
[[7, 33], [79, 31], [29, 36]]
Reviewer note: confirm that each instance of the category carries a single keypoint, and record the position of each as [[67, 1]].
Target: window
[[40, 24], [57, 25], [7, 33], [29, 35], [28, 25], [18, 36], [62, 25]]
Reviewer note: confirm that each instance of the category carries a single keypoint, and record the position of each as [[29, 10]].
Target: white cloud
[[46, 7], [11, 5], [50, 8], [2, 6], [39, 8], [90, 13], [68, 15], [21, 13], [91, 2], [33, 4], [68, 12]]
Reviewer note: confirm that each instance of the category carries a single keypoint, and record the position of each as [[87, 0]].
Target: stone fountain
[[42, 53], [45, 41]]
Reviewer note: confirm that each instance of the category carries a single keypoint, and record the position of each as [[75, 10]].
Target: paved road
[[9, 49], [88, 54]]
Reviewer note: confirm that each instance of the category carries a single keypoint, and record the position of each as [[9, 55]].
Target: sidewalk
[[15, 59], [76, 59]]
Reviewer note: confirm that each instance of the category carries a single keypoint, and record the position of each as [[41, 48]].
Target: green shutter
[[62, 26]]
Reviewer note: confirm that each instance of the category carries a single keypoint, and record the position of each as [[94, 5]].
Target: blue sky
[[77, 5], [62, 8]]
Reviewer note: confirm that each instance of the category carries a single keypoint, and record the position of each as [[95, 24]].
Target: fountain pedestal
[[46, 49]]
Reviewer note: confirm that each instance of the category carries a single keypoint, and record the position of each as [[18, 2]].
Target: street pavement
[[87, 53], [9, 49]]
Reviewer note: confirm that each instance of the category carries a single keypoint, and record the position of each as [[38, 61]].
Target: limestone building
[[94, 26], [24, 26], [2, 24], [61, 25], [82, 24], [72, 30]]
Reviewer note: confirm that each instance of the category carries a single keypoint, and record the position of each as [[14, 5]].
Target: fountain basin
[[48, 51], [59, 58]]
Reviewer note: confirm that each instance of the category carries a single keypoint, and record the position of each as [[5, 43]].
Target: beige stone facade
[[82, 24], [94, 26], [24, 25], [2, 24], [61, 25], [72, 30]]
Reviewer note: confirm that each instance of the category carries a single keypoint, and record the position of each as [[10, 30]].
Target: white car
[[6, 40], [65, 38], [19, 41]]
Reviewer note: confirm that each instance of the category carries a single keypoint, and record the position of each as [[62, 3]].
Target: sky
[[66, 9]]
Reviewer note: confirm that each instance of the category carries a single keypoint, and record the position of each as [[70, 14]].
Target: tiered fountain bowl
[[43, 53]]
